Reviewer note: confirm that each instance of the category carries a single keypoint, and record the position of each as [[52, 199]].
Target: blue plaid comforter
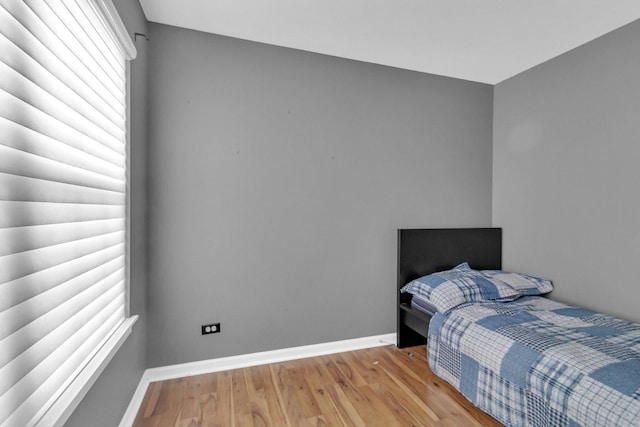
[[537, 362]]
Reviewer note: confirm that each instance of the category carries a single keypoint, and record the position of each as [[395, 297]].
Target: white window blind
[[63, 192]]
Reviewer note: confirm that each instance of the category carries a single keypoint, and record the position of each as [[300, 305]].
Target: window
[[63, 210]]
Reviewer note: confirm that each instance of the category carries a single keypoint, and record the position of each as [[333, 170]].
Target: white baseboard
[[244, 361]]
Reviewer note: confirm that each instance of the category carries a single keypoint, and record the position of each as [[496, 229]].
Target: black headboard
[[425, 251]]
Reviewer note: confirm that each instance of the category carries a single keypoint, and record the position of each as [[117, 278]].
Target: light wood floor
[[381, 386]]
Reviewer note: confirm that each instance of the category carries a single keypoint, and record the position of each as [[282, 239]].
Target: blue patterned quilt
[[537, 362]]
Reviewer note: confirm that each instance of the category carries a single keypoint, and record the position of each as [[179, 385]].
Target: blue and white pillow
[[462, 267], [447, 290], [523, 283]]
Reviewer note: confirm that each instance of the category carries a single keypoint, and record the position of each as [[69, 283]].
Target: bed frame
[[425, 251]]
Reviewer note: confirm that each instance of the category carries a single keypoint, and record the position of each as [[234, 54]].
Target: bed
[[524, 359]]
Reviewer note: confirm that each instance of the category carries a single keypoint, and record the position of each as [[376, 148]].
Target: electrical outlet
[[212, 328]]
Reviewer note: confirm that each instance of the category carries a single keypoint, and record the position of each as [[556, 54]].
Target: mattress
[[423, 305]]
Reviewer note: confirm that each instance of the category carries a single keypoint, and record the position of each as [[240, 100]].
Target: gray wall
[[566, 181], [278, 179], [106, 402]]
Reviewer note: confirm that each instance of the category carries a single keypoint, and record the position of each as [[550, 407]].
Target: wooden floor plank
[[191, 398], [217, 410], [240, 398], [381, 386], [316, 376], [350, 368], [287, 392], [151, 398], [305, 393], [276, 414], [385, 412], [343, 406]]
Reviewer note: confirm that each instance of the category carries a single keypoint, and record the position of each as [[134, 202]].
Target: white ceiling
[[479, 40]]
